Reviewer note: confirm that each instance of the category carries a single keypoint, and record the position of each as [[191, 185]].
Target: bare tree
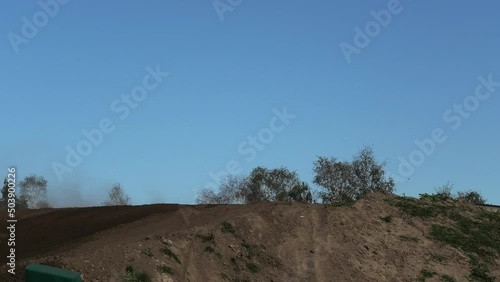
[[208, 196], [33, 190], [301, 192], [232, 190], [117, 197]]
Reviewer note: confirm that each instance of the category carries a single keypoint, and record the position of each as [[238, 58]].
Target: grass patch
[[426, 274], [147, 252], [387, 219], [209, 238], [471, 237], [253, 267], [251, 249], [437, 197], [166, 269], [235, 264], [480, 270], [447, 278], [228, 228], [479, 237], [418, 208], [225, 276], [438, 258], [409, 238], [171, 254], [132, 276], [210, 249]]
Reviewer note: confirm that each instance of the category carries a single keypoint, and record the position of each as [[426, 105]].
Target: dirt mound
[[380, 238]]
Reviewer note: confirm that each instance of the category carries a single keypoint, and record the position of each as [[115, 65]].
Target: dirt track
[[41, 231]]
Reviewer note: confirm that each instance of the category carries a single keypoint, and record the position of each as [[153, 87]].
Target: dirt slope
[[380, 238]]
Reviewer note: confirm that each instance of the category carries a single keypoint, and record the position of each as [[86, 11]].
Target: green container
[[44, 273]]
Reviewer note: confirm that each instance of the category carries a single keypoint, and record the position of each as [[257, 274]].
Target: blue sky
[[230, 70]]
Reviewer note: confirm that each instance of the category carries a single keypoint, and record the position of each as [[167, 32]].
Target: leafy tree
[[117, 197], [334, 177], [33, 191], [346, 182], [261, 185], [254, 192], [369, 175], [276, 185], [301, 192]]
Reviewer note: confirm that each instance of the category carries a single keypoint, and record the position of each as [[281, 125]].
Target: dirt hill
[[380, 238]]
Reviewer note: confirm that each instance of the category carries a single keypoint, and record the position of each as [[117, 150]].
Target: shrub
[[209, 238], [425, 274], [131, 276], [227, 227], [253, 267], [147, 252], [471, 197], [171, 254], [166, 269], [387, 219]]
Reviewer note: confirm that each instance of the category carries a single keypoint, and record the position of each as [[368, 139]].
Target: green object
[[44, 273]]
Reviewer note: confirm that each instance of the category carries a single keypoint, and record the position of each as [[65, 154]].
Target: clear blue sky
[[227, 76]]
